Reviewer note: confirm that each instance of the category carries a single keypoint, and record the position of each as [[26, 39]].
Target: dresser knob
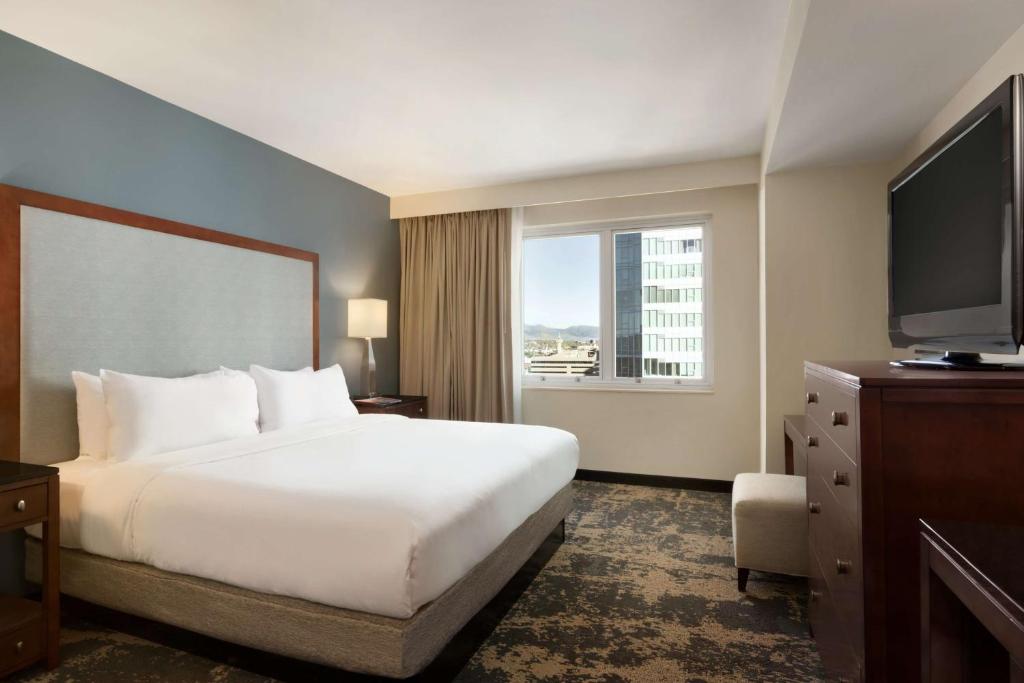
[[838, 418], [812, 441], [840, 478], [815, 595], [814, 508], [20, 506], [812, 396], [843, 566], [19, 646]]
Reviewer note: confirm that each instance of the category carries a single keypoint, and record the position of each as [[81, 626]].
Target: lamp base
[[369, 370]]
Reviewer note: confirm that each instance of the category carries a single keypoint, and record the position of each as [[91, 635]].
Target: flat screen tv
[[955, 237]]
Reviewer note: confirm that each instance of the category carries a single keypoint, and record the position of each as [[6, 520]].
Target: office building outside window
[[636, 292], [659, 294]]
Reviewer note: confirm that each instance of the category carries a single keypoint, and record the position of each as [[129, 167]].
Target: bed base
[[346, 639]]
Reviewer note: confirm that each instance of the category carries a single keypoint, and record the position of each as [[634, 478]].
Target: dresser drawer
[[839, 660], [21, 646], [826, 460], [821, 506], [842, 570], [834, 408], [835, 555], [22, 506]]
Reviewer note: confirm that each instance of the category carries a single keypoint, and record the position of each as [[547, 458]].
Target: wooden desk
[[972, 602], [796, 438], [30, 629]]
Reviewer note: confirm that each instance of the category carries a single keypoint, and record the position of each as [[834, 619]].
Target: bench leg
[[741, 579]]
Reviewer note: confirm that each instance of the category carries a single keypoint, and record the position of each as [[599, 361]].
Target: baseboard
[[659, 480]]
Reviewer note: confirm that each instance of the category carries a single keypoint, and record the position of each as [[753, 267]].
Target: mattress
[[375, 513]]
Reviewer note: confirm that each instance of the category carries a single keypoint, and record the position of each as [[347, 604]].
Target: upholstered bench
[[769, 525]]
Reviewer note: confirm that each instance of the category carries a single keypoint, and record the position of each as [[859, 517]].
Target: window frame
[[606, 381]]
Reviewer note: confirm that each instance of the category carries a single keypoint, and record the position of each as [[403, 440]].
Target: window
[[561, 306], [637, 292]]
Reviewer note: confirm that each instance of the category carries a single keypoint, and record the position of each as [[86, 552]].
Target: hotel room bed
[[364, 543], [374, 520]]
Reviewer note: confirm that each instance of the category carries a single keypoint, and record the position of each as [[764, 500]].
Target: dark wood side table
[[30, 629], [972, 602], [410, 406]]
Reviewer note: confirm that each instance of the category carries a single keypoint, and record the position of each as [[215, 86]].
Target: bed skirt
[[350, 640]]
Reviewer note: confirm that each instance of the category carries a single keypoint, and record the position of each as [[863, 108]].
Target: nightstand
[[30, 629], [410, 406]]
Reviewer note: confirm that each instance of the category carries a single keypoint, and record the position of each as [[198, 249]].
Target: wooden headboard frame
[[11, 201]]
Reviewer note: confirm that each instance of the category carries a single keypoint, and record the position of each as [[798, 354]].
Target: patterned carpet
[[643, 589]]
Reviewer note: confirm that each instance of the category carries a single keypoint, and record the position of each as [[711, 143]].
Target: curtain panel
[[456, 330]]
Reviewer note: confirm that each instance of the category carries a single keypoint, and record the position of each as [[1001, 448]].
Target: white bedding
[[377, 513], [74, 477]]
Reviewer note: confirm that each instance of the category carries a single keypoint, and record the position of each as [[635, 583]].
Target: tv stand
[[890, 447], [955, 360]]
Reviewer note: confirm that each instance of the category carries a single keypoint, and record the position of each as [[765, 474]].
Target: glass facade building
[[628, 305], [659, 303]]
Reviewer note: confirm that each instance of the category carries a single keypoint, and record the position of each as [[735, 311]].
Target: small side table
[[410, 406], [30, 629], [972, 602]]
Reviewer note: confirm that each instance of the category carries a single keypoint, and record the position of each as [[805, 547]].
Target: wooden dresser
[[885, 447]]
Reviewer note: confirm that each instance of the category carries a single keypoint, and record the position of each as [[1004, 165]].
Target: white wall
[[825, 280], [703, 435]]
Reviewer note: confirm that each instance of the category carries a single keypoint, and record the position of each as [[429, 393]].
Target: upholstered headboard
[[94, 287]]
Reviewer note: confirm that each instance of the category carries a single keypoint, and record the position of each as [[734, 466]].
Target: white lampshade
[[367, 318]]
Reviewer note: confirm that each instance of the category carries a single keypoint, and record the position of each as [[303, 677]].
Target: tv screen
[[947, 227], [955, 235]]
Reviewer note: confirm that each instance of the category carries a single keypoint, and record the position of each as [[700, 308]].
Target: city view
[[659, 310]]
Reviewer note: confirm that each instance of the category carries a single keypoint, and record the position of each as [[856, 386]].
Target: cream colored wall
[[704, 435], [693, 176], [825, 280]]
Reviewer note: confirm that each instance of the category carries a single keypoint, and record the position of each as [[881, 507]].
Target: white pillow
[[92, 415], [151, 415], [289, 398]]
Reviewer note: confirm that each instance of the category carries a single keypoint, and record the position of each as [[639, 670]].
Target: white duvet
[[376, 513]]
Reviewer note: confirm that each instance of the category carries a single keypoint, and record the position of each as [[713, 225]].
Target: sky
[[561, 281]]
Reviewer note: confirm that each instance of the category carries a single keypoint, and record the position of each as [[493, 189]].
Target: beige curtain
[[456, 342]]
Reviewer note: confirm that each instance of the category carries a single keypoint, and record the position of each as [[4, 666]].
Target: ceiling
[[870, 74], [407, 96]]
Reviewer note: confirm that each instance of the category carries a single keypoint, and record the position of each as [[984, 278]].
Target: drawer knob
[[812, 441], [839, 418], [812, 396], [815, 595], [19, 646], [814, 508], [20, 506], [840, 478], [843, 566]]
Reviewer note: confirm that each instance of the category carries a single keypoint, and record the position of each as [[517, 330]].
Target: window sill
[[622, 387]]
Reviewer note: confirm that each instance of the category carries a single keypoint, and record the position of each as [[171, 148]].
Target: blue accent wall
[[71, 131]]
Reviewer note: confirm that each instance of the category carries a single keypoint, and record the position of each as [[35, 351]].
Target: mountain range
[[571, 333]]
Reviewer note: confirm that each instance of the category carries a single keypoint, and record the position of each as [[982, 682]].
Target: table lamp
[[368, 318]]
